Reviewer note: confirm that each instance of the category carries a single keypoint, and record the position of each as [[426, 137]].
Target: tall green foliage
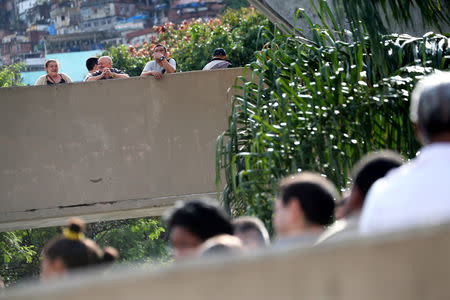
[[319, 105]]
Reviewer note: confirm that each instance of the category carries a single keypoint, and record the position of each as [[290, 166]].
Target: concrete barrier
[[109, 149], [409, 266]]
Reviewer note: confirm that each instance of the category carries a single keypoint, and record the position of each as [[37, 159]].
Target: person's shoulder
[[42, 80], [343, 229], [96, 73], [149, 66], [379, 202], [66, 77], [208, 65], [394, 178]]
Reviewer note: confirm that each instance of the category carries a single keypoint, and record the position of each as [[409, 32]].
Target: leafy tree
[[130, 64], [136, 239], [319, 105], [10, 75], [12, 249]]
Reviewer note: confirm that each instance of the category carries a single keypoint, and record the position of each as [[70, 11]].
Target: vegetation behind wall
[[191, 44], [320, 105]]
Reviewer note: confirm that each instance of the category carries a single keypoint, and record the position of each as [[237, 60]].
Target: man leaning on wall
[[161, 63], [106, 71]]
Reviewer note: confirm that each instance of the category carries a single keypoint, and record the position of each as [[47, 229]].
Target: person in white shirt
[[160, 65], [219, 60], [417, 194]]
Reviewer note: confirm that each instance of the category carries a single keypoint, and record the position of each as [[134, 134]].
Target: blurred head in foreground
[[192, 223], [72, 251], [223, 244], [252, 232], [369, 169], [430, 108], [304, 205]]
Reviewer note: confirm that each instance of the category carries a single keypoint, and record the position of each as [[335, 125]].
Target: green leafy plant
[[136, 240], [319, 105], [10, 75]]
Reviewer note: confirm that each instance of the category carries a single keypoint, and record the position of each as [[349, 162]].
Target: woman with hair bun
[[72, 250]]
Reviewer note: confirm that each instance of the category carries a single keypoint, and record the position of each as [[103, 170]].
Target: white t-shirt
[[87, 76], [153, 66], [416, 194]]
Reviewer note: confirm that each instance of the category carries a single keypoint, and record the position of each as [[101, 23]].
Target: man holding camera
[[161, 64]]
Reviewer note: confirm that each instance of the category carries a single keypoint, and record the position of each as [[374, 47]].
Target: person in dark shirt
[[219, 60], [106, 71]]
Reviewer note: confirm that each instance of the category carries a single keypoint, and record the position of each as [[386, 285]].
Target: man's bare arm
[[168, 67]]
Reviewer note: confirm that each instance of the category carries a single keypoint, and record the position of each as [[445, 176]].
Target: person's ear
[[419, 134], [295, 209], [355, 201], [59, 266]]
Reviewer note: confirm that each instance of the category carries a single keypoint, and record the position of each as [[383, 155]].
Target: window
[[63, 18]]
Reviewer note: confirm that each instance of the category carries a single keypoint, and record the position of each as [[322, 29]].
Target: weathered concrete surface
[[411, 266], [284, 12], [105, 149]]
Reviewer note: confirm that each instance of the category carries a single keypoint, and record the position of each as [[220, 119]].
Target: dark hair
[[219, 52], [160, 45], [74, 249], [246, 224], [372, 167], [91, 62], [201, 218], [315, 194]]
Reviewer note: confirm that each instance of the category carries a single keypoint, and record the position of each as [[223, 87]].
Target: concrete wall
[[284, 12], [109, 149], [410, 266]]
